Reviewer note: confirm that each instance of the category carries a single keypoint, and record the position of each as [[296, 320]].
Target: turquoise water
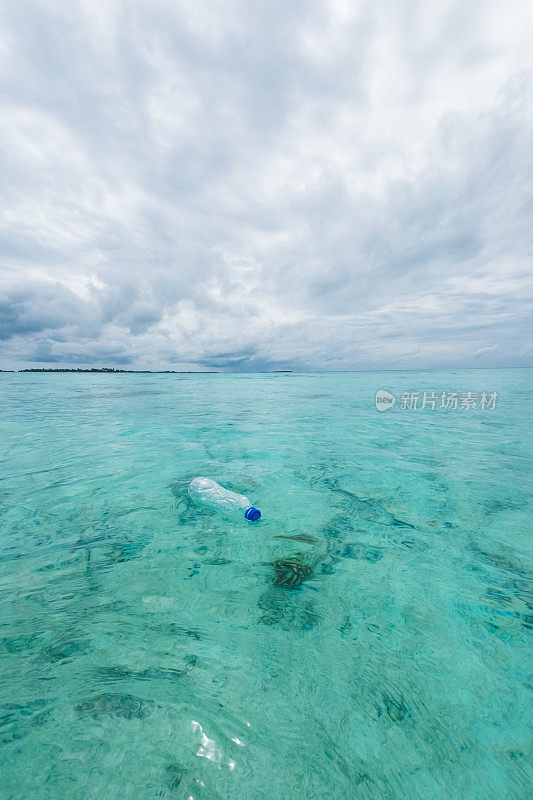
[[145, 650]]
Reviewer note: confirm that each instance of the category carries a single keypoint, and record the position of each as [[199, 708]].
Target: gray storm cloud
[[312, 185]]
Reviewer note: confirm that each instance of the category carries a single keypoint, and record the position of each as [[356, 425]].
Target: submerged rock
[[17, 644], [116, 705], [174, 775], [496, 504], [359, 550], [17, 719], [287, 611], [299, 537], [395, 708], [63, 651], [152, 673]]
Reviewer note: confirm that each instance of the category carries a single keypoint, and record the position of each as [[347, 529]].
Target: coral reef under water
[[116, 705], [290, 572]]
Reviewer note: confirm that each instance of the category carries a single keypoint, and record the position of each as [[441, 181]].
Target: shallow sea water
[[145, 651]]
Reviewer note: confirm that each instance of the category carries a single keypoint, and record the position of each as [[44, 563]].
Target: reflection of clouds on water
[[210, 750]]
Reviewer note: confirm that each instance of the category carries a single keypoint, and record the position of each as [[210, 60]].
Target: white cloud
[[318, 184]]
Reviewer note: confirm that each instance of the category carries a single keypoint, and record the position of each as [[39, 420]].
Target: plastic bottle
[[210, 493]]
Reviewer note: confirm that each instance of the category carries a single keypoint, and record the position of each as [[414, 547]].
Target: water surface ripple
[[368, 638]]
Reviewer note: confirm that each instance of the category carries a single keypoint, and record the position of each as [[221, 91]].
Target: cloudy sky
[[254, 184]]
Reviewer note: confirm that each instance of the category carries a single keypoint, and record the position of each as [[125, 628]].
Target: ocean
[[367, 638]]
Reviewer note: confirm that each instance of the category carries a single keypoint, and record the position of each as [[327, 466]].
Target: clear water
[[145, 650]]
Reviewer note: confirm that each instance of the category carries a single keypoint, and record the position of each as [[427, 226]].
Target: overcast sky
[[265, 184]]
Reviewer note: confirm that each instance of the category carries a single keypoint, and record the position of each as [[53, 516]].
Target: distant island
[[131, 371], [113, 371]]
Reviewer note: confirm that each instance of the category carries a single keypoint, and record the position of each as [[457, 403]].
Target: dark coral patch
[[116, 705], [290, 572]]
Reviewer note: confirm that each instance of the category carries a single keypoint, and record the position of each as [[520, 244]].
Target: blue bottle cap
[[252, 514]]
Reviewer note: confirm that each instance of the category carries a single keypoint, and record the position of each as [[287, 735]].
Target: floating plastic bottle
[[209, 493]]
